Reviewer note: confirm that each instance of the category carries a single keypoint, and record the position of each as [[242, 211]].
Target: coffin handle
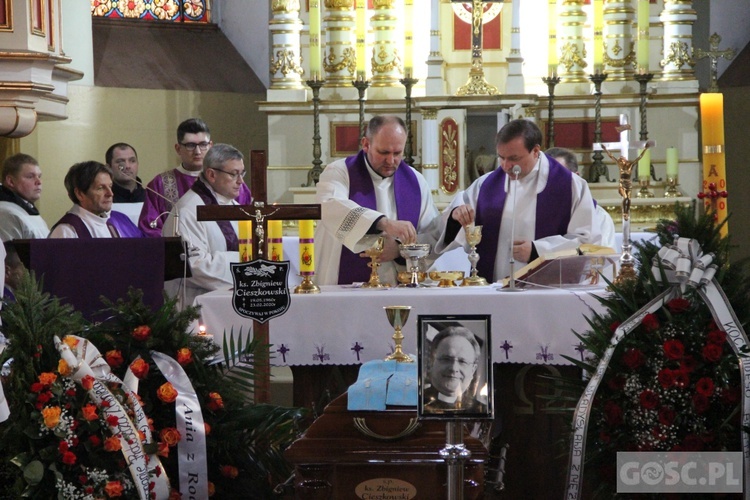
[[361, 426]]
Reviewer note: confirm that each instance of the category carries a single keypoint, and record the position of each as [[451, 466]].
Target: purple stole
[[233, 244], [80, 228], [124, 225], [408, 197], [552, 211]]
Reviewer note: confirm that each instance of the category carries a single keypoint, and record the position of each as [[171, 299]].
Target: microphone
[[152, 224], [515, 171]]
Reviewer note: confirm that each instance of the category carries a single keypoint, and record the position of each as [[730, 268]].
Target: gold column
[[619, 46], [386, 51], [286, 62], [339, 56], [571, 42]]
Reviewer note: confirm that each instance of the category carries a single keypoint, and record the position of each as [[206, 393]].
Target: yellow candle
[[245, 240], [552, 60], [714, 162], [361, 39], [643, 25], [275, 245], [644, 166], [408, 38], [672, 163], [598, 36], [306, 248], [315, 66]]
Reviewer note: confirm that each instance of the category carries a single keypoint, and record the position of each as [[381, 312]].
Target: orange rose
[[229, 471], [51, 416], [89, 412], [47, 378], [112, 444], [113, 489], [167, 393], [70, 341], [114, 358], [63, 368], [87, 382], [207, 428], [184, 356], [139, 367], [142, 333], [162, 449], [211, 489], [215, 402], [170, 435]]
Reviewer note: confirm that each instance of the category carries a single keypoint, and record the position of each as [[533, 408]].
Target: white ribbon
[[88, 361], [191, 449], [684, 266]]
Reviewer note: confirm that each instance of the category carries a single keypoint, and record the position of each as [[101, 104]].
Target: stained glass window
[[177, 11]]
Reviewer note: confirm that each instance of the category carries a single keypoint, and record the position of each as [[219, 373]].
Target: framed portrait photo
[[455, 367]]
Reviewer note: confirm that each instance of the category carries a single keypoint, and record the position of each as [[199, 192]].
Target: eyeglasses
[[233, 175], [448, 360], [190, 146]]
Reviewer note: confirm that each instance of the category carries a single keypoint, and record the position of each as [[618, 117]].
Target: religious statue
[[626, 183]]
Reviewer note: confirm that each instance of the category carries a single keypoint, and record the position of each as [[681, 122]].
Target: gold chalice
[[397, 316], [447, 279], [413, 252], [404, 277], [473, 238], [374, 253]]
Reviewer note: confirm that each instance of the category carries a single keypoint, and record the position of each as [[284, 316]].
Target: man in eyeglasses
[[193, 143], [453, 362], [214, 244]]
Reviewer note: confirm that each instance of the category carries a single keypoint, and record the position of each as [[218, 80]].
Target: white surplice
[[96, 224]]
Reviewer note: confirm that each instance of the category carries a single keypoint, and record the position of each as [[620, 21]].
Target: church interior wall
[[736, 111]]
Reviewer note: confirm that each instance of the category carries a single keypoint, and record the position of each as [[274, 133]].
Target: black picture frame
[[476, 399]]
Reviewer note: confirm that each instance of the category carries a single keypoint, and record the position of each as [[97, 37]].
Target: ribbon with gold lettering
[[192, 446], [684, 266]]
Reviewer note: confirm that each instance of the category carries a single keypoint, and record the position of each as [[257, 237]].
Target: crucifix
[[714, 54], [477, 85], [260, 213]]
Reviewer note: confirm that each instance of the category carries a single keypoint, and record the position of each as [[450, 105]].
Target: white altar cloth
[[342, 326]]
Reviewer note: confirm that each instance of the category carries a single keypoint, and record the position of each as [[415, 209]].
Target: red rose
[[95, 441], [666, 377], [215, 401], [142, 333], [666, 415], [184, 356], [612, 413], [229, 471], [649, 399], [112, 421], [712, 352], [700, 403], [650, 322], [44, 397], [678, 305], [139, 367], [673, 349], [613, 326], [717, 337], [114, 358], [37, 387], [705, 386], [69, 458], [87, 382], [633, 358]]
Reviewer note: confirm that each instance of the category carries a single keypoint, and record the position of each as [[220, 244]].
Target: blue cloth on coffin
[[382, 383]]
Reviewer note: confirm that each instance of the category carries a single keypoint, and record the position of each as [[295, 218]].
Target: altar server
[[21, 189], [373, 193], [553, 209]]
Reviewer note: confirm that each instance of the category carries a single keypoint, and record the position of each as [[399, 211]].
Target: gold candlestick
[[397, 316]]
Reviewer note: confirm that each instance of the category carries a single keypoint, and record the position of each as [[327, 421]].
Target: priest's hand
[[391, 250], [463, 214], [522, 250], [400, 230]]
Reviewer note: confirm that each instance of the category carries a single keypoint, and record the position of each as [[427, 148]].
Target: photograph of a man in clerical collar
[[454, 367]]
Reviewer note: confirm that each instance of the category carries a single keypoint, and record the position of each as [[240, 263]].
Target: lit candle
[[644, 166], [245, 240], [315, 67], [306, 248], [361, 40], [598, 36], [552, 60], [275, 245], [643, 25], [672, 163], [408, 37], [714, 166]]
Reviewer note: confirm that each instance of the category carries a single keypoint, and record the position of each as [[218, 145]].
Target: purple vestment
[[124, 227], [408, 198], [156, 208], [208, 198], [553, 206]]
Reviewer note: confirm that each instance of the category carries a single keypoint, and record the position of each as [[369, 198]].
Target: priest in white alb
[[368, 195], [553, 209]]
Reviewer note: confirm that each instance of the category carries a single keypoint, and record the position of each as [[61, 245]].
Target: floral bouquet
[[673, 382], [132, 407]]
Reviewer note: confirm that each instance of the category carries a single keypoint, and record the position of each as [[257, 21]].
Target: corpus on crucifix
[[477, 85], [260, 213]]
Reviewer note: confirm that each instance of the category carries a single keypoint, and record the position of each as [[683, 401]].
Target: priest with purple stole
[[368, 195], [553, 209]]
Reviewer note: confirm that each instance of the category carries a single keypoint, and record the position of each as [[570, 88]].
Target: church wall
[[736, 111], [147, 119]]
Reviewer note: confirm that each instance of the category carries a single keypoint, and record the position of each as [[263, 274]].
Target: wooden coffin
[[378, 455]]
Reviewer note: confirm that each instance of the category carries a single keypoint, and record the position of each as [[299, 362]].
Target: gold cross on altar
[[477, 85], [260, 213], [714, 54]]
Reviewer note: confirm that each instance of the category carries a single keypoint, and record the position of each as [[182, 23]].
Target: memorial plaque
[[260, 289]]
